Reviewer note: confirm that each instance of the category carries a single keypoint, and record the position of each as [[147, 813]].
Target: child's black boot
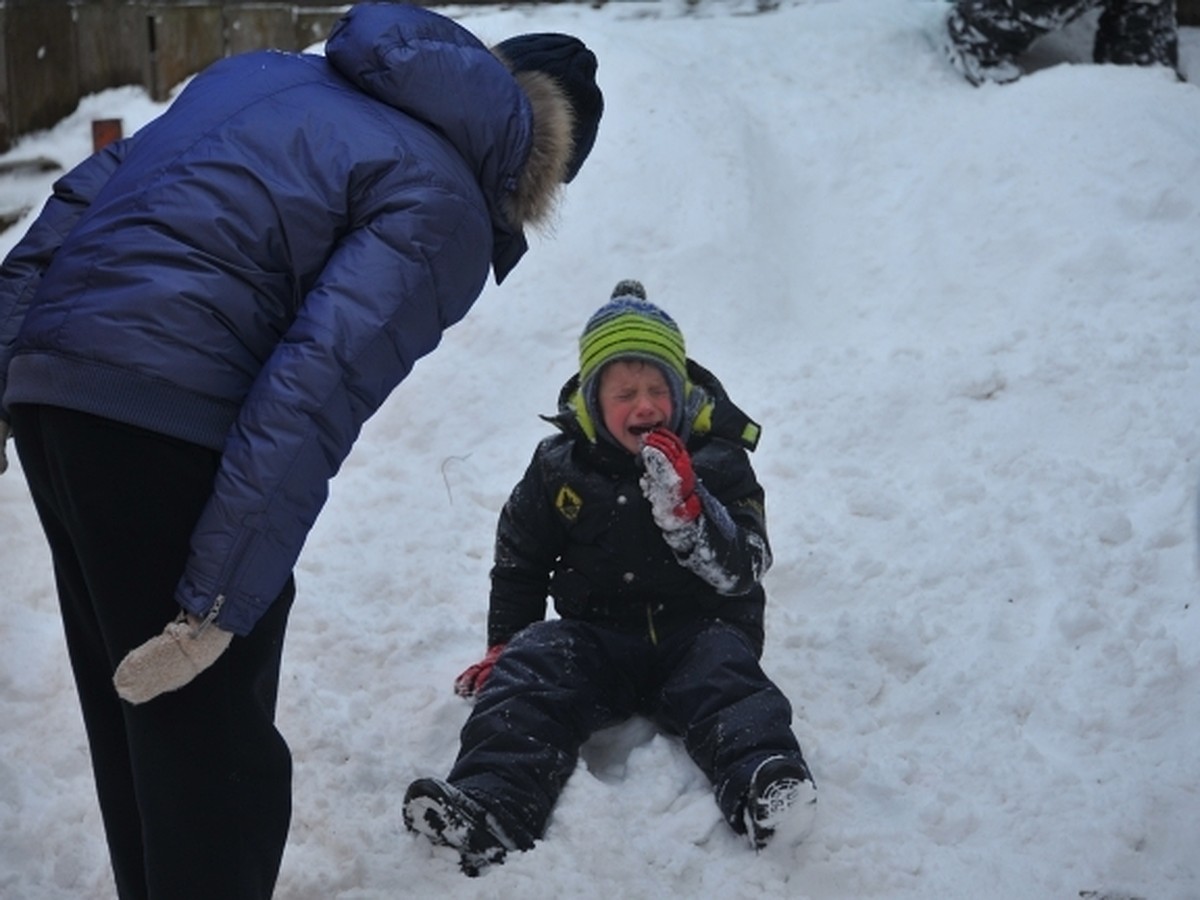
[[781, 803], [450, 818]]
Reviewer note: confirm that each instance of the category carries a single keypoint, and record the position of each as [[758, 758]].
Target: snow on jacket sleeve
[[23, 268], [410, 270], [729, 549]]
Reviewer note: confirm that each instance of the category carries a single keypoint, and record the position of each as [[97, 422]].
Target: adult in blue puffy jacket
[[192, 334]]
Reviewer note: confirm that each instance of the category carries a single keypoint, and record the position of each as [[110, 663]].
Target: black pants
[[194, 786], [559, 681], [1129, 32]]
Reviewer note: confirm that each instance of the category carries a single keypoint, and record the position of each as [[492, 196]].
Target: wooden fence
[[52, 52]]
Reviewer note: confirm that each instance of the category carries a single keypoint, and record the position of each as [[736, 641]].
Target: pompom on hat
[[627, 327], [573, 66]]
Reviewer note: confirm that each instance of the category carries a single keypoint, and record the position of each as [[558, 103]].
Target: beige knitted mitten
[[170, 660]]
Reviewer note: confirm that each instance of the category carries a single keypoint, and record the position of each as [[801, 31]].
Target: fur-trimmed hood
[[513, 131], [540, 184]]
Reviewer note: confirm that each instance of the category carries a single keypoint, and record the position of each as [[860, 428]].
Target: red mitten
[[669, 483], [470, 682]]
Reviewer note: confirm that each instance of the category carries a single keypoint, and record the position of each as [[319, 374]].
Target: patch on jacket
[[568, 503]]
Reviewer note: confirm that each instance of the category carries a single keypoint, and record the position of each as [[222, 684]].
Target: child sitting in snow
[[644, 521]]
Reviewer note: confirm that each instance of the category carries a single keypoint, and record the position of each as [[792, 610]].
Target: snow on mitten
[[170, 660], [470, 682], [669, 482]]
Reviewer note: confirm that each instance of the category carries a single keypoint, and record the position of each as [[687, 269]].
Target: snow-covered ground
[[968, 320]]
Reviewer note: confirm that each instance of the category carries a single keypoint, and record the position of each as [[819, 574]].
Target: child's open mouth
[[639, 430]]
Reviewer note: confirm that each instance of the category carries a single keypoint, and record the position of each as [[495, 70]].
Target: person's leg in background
[[985, 37], [1138, 33]]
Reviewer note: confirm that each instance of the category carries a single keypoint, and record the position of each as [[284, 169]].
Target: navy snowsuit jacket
[[258, 268], [578, 529]]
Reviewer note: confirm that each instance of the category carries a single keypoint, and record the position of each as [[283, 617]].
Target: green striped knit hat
[[629, 326]]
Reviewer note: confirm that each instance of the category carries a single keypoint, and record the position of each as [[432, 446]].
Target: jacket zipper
[[210, 616]]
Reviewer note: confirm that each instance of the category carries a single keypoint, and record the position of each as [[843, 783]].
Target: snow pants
[[559, 681], [1129, 32], [195, 785]]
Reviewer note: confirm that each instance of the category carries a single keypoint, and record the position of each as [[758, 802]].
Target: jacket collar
[[708, 412]]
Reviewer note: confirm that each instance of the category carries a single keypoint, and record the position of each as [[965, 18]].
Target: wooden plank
[[34, 164], [42, 66], [5, 129], [111, 43], [182, 41], [256, 27]]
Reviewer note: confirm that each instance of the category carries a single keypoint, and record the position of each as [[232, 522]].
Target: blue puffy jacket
[[258, 268]]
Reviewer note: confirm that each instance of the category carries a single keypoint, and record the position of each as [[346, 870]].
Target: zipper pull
[[210, 617]]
